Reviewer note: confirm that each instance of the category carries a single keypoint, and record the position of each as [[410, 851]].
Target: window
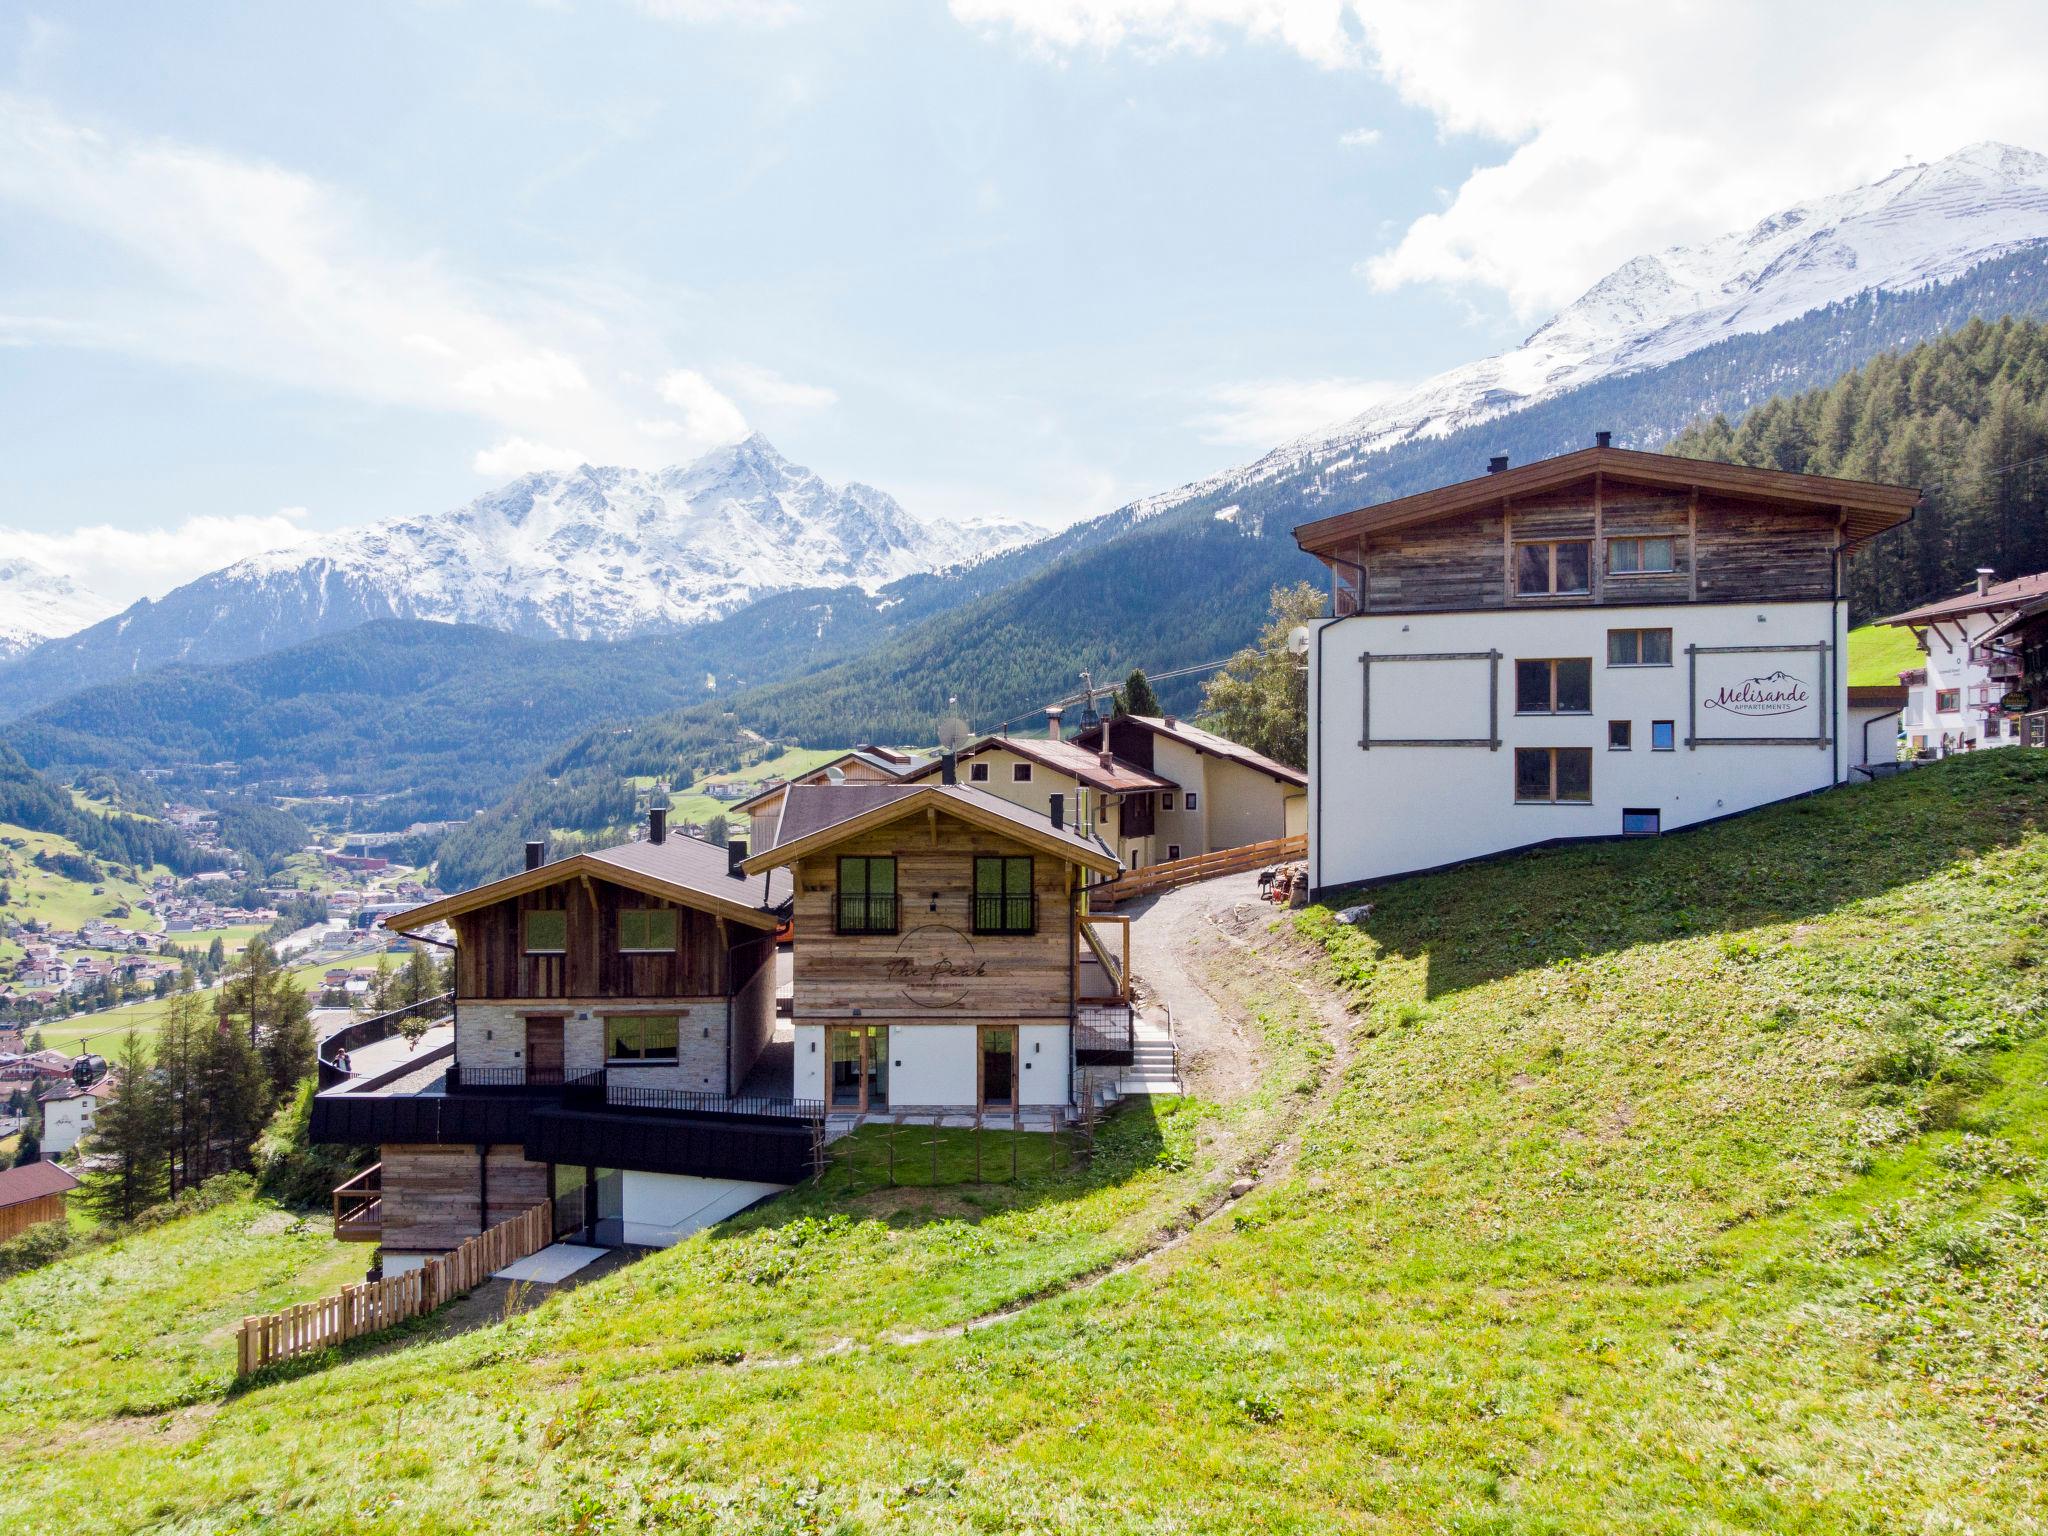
[[1663, 736], [1553, 570], [1003, 900], [1639, 557], [1103, 815], [2037, 730], [1620, 735], [1638, 822], [1166, 800], [640, 1037], [647, 932], [867, 895], [1188, 801], [1554, 687], [1948, 701], [1020, 773], [545, 933], [1172, 852], [1639, 647], [1554, 775], [977, 773]]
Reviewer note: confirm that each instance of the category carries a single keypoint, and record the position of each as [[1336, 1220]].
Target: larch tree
[[1260, 698]]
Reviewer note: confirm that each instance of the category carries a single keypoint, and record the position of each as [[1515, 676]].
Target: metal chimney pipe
[[1603, 439], [536, 855], [735, 856], [949, 768], [657, 824], [1059, 811], [1984, 575], [1496, 464], [1053, 715]]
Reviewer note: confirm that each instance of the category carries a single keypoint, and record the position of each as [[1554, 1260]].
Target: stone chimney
[[1053, 715]]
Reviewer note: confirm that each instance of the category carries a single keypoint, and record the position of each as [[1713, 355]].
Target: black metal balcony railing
[[463, 1079], [589, 1095], [1006, 914], [1104, 1035], [866, 914]]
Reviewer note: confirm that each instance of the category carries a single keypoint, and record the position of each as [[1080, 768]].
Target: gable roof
[[104, 1088], [680, 869], [1871, 507], [895, 764], [32, 1181], [816, 816], [2027, 613], [2000, 594], [1082, 764], [1177, 729]]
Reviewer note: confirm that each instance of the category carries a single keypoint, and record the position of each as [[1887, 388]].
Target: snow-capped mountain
[[1921, 224], [603, 553], [38, 604]]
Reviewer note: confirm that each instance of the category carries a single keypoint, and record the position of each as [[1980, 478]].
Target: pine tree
[[128, 1154], [1260, 698], [181, 1045], [233, 1100], [1136, 696], [416, 982]]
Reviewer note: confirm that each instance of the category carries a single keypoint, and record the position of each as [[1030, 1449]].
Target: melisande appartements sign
[[1780, 693]]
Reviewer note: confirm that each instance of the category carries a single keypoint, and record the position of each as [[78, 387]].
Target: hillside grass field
[[1683, 1185], [55, 898], [1878, 653], [103, 1032]]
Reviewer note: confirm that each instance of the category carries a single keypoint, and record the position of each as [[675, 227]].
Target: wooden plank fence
[[1176, 872], [379, 1304]]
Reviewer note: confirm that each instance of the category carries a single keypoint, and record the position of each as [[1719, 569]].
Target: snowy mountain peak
[[38, 604]]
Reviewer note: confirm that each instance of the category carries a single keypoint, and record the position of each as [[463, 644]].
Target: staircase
[[1155, 1058]]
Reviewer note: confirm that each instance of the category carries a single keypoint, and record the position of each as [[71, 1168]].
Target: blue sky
[[271, 270]]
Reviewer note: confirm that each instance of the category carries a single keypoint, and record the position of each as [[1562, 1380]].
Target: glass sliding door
[[857, 1067]]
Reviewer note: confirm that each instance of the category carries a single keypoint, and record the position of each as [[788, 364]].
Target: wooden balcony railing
[[359, 1207], [1179, 872]]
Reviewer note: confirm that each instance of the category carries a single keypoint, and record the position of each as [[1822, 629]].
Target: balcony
[[359, 1207], [1005, 914]]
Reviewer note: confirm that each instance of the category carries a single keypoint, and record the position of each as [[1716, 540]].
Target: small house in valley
[[31, 1195], [69, 1110], [1957, 696], [1219, 793]]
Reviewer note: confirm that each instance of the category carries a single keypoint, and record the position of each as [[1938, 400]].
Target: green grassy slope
[[1878, 653], [53, 897], [1684, 1185]]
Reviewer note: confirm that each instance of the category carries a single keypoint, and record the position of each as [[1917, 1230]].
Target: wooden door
[[544, 1049]]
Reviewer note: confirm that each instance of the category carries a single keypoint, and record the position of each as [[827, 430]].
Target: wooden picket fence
[[1176, 872], [379, 1304]]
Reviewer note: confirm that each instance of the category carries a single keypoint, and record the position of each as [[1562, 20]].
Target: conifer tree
[[181, 1048], [416, 981], [1136, 696], [128, 1153], [1260, 698]]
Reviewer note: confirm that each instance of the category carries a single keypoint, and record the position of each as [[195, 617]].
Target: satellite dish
[[1297, 640], [953, 731], [835, 775]]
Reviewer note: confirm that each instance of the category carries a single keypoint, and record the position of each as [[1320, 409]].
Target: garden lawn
[[1878, 653], [1690, 1184]]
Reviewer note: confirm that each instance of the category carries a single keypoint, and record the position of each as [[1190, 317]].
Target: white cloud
[[1621, 133], [1263, 412], [764, 386], [541, 376], [517, 456], [768, 13], [1359, 138], [123, 564], [709, 419]]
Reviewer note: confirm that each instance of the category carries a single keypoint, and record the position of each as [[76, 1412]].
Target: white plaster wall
[[933, 1064], [1949, 666], [1883, 735], [65, 1123], [661, 1209], [1244, 805], [1043, 1058], [809, 1082], [1184, 766], [403, 1263], [1392, 810]]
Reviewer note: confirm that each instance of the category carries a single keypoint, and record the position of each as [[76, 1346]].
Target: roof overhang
[[1027, 749], [1867, 508], [931, 797], [577, 866]]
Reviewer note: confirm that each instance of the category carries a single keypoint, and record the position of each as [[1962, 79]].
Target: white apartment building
[[1955, 698], [1603, 644]]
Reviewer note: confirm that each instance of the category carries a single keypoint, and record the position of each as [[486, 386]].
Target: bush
[[44, 1243], [289, 1167]]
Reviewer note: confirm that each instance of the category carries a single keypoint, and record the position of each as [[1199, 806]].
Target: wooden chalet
[[31, 1195]]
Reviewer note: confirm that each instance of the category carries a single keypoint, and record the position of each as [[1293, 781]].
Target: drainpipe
[[1866, 735], [483, 1186]]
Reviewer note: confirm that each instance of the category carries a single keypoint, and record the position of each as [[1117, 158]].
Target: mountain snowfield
[[1921, 224], [38, 604], [602, 553]]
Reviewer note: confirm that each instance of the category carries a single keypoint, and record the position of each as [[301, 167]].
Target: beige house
[[1219, 794]]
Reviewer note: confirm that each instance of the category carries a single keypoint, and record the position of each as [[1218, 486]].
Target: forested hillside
[[1965, 417], [27, 799]]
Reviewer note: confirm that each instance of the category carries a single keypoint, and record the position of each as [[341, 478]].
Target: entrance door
[[857, 1067], [999, 1068], [544, 1050]]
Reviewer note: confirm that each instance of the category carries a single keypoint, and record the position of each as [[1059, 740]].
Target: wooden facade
[[934, 969], [437, 1196], [492, 964], [17, 1218]]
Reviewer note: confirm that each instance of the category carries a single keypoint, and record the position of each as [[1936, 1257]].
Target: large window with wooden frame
[[544, 933], [1561, 686], [1003, 899], [866, 901], [647, 931], [1554, 568], [1639, 647], [640, 1037], [1641, 556], [1948, 701], [1553, 775]]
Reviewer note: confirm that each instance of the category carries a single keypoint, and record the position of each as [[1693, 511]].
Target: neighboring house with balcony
[[1955, 696], [610, 1011], [2022, 636], [1220, 794], [944, 956], [1602, 644]]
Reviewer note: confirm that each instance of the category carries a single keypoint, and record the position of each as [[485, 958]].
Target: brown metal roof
[[2000, 594], [1871, 508], [2028, 613], [1077, 762], [32, 1181], [818, 810]]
